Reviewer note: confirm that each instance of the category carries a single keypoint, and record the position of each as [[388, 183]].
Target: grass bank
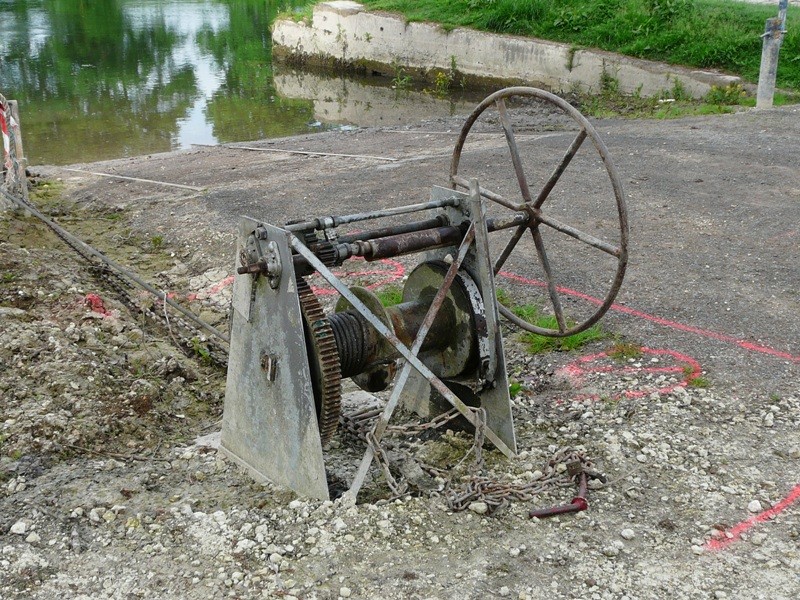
[[706, 34]]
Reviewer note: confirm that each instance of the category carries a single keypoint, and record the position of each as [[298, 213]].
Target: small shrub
[[733, 93], [623, 351], [401, 81]]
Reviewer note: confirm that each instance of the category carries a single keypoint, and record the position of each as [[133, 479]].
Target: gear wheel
[[323, 359]]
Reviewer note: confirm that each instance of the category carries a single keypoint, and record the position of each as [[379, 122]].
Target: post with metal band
[[774, 31]]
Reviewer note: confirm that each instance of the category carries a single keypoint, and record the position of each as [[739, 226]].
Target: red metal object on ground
[[577, 504], [95, 304]]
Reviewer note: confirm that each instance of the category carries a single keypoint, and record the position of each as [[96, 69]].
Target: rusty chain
[[398, 488], [496, 494], [476, 487]]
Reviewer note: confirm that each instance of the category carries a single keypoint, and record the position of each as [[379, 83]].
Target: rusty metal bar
[[439, 221], [559, 170], [411, 234], [577, 504], [514, 220], [579, 235], [398, 245], [383, 421], [512, 146], [336, 221]]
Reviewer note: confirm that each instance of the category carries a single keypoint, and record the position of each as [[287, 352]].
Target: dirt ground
[[109, 494]]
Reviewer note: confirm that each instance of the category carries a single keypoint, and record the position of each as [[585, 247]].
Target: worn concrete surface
[[713, 203]]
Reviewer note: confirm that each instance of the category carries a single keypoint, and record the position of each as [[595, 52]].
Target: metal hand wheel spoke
[[532, 207], [512, 243], [559, 170], [579, 235], [551, 282], [512, 146]]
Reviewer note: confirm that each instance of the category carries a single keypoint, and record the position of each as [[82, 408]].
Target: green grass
[[390, 295], [706, 34], [538, 344], [622, 351]]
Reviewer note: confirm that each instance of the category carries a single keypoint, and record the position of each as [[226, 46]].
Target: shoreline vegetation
[[704, 34], [722, 35]]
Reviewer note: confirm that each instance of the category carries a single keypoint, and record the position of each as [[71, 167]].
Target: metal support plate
[[417, 395], [269, 423]]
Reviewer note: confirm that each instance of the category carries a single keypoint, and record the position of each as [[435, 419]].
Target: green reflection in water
[[99, 80]]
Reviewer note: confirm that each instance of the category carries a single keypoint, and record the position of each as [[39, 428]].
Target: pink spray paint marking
[[214, 289], [95, 303], [394, 272], [735, 533], [387, 276], [721, 337], [593, 363]]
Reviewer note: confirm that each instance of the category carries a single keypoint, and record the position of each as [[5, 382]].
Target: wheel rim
[[533, 205]]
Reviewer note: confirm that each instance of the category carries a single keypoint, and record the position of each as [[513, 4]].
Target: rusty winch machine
[[440, 347]]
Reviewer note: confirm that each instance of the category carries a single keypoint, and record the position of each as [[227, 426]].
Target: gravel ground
[[112, 487]]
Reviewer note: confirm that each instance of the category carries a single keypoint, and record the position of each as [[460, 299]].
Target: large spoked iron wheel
[[534, 203]]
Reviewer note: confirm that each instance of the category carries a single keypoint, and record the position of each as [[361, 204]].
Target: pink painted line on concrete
[[721, 337], [395, 272], [577, 370], [735, 533]]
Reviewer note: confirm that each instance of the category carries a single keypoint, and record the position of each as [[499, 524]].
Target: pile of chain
[[186, 335], [562, 470]]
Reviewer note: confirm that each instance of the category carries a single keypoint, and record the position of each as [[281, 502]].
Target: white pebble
[[344, 592], [19, 528], [480, 508], [754, 506], [628, 534], [33, 538], [504, 591]]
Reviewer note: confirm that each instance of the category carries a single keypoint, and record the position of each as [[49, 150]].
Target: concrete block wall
[[345, 32]]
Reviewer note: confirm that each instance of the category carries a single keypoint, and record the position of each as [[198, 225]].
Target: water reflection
[[370, 102], [114, 78], [120, 78]]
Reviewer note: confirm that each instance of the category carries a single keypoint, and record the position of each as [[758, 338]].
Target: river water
[[114, 78]]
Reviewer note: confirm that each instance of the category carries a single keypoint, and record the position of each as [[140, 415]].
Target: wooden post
[[774, 31], [14, 106]]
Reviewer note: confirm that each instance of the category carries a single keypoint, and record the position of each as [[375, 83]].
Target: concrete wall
[[343, 31]]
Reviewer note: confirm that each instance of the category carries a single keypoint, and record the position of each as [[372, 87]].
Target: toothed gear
[[326, 372]]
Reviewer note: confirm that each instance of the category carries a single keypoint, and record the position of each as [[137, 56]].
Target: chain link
[[191, 338], [495, 493]]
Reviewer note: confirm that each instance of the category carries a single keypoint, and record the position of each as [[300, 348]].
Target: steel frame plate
[[270, 427]]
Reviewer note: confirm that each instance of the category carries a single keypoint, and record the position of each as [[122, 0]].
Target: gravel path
[[108, 493]]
